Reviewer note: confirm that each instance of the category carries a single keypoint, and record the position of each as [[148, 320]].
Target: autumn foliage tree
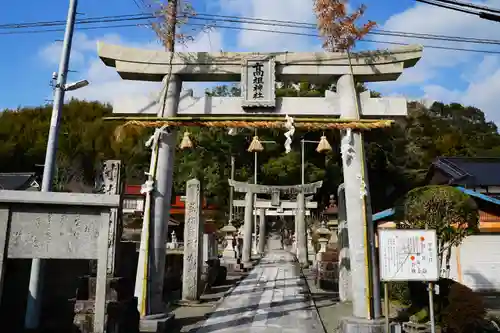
[[339, 29]]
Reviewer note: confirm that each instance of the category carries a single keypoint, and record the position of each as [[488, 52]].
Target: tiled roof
[[16, 180], [470, 171]]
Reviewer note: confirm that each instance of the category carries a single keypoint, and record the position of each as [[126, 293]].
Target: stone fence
[[61, 226]]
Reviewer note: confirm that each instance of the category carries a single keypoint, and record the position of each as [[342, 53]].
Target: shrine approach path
[[273, 298]]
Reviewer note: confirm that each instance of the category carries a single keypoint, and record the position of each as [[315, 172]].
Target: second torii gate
[[299, 190], [275, 207]]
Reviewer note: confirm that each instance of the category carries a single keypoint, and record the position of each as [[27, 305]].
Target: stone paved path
[[273, 298]]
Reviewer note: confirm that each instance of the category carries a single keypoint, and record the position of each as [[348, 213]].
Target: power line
[[362, 40], [431, 2], [470, 5], [256, 21], [238, 19], [457, 6]]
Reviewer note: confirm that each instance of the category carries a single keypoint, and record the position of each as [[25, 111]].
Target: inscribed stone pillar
[[162, 195], [301, 237], [193, 231], [262, 231], [358, 210], [247, 230], [344, 264]]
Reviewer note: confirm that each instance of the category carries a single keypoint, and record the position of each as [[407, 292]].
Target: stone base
[[247, 265], [155, 323], [229, 255], [361, 325]]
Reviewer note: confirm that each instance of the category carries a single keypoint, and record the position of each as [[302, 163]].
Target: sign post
[[409, 255]]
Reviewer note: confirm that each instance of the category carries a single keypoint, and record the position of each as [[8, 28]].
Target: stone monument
[[58, 225], [193, 231]]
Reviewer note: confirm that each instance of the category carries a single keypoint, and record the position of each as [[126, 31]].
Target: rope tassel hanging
[[186, 141], [255, 145], [324, 145]]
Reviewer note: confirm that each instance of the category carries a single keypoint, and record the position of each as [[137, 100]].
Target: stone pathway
[[273, 298]]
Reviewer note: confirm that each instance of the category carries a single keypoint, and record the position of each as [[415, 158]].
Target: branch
[[339, 29]]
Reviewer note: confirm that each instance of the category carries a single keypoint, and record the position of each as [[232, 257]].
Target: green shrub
[[465, 311], [399, 291]]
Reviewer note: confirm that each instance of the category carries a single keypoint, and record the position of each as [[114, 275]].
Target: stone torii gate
[[299, 190], [258, 74], [276, 207]]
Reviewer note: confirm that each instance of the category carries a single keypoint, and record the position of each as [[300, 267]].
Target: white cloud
[[481, 92], [283, 10], [105, 83], [479, 72]]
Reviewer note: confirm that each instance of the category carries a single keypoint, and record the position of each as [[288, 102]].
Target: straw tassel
[[255, 145], [324, 145], [186, 141]]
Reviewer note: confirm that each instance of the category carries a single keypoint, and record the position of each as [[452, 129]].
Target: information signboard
[[408, 255]]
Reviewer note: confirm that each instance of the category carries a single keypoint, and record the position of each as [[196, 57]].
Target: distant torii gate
[[299, 190], [257, 74], [275, 207]]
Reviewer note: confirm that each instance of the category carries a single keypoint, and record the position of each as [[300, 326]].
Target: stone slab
[[328, 106], [379, 65], [59, 198], [284, 204], [54, 233], [155, 324], [270, 189]]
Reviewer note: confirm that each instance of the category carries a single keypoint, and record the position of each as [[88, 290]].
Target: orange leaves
[[337, 27]]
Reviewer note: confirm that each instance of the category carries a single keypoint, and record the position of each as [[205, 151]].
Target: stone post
[[295, 248], [247, 230], [262, 231], [175, 244], [301, 237], [207, 255], [311, 252], [365, 284], [162, 196], [193, 230], [345, 290]]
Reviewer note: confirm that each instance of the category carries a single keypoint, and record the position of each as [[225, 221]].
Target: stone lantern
[[324, 236], [229, 253]]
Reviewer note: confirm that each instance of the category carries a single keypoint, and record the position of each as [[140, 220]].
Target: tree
[[452, 213], [338, 29]]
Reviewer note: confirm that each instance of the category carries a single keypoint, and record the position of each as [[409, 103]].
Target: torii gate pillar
[[251, 189]]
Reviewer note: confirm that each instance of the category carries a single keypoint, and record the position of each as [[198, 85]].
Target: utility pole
[[36, 275]]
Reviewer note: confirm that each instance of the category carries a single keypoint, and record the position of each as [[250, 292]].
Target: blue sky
[[28, 60]]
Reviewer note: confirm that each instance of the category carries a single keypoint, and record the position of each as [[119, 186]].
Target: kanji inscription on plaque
[[408, 255], [258, 82]]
